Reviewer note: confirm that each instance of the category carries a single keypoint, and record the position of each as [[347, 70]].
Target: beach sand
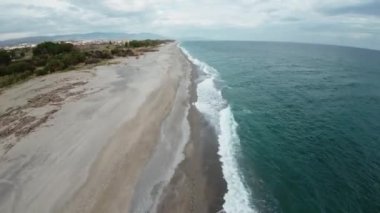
[[109, 139]]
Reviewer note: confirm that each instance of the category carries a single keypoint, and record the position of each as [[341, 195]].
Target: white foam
[[237, 196], [216, 110]]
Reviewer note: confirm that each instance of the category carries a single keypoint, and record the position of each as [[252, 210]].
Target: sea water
[[298, 125]]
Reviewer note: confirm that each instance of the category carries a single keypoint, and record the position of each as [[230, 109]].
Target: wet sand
[[198, 184]]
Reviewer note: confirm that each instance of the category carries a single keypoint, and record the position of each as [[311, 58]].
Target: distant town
[[74, 42]]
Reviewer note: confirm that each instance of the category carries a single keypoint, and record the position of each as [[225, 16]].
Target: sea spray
[[216, 110]]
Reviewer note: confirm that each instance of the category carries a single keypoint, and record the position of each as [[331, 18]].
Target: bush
[[115, 51], [92, 61], [23, 76], [14, 78], [131, 52], [51, 48], [5, 57], [40, 60], [135, 44], [102, 54], [41, 71], [54, 65], [143, 43], [7, 80], [3, 70], [19, 67], [73, 58], [121, 52]]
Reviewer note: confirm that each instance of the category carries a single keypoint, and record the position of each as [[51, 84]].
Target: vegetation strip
[[49, 57]]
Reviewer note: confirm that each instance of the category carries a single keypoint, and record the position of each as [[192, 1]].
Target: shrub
[[121, 52], [5, 57], [89, 53], [92, 61], [19, 67], [3, 70], [41, 71], [73, 58], [131, 52], [40, 60], [7, 80], [54, 65], [115, 51], [135, 44], [102, 54], [51, 48], [11, 79], [144, 43], [23, 76]]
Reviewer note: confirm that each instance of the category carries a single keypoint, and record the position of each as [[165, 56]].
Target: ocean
[[298, 125]]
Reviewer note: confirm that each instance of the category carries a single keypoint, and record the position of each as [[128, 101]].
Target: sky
[[341, 22]]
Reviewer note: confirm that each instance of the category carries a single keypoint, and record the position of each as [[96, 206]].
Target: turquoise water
[[298, 124]]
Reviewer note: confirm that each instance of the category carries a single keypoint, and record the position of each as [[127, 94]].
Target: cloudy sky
[[342, 22]]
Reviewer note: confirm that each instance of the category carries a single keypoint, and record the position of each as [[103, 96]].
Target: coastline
[[198, 184], [123, 137]]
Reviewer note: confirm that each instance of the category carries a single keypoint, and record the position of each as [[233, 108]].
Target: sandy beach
[[105, 139]]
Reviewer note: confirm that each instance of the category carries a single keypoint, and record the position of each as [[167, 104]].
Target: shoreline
[[198, 184], [122, 138]]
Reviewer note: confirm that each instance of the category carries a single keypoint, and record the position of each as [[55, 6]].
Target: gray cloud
[[324, 21], [291, 19], [369, 8]]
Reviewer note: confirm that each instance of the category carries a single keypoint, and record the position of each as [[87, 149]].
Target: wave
[[217, 111]]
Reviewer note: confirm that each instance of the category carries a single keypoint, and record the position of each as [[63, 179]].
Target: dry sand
[[106, 139]]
